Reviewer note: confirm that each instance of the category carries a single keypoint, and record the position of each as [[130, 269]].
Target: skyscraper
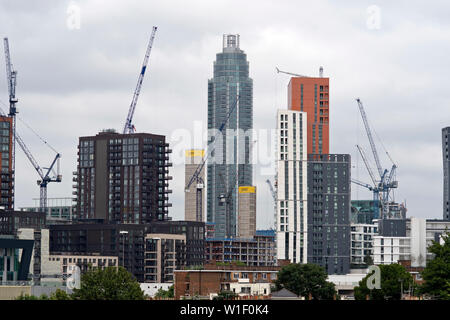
[[123, 178], [329, 212], [292, 195], [446, 160], [230, 166], [7, 175], [311, 95]]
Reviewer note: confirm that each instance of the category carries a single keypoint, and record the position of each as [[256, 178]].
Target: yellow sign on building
[[248, 189], [195, 153]]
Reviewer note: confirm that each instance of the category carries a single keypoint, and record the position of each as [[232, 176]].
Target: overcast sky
[[74, 81]]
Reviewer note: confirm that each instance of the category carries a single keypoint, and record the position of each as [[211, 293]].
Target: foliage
[[436, 274], [60, 295], [392, 278], [225, 295], [305, 280], [165, 293], [109, 284]]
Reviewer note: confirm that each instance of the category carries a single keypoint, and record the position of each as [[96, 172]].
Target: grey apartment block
[[446, 161], [329, 212], [231, 160]]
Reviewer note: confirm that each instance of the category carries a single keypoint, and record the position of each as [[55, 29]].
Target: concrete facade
[[446, 166], [192, 160], [291, 187], [247, 212], [164, 253]]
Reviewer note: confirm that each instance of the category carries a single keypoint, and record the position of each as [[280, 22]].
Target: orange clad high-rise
[[311, 95]]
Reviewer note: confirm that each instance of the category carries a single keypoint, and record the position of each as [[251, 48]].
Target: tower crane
[[196, 176], [290, 73], [386, 182], [129, 127], [11, 77], [45, 176], [299, 75], [226, 198]]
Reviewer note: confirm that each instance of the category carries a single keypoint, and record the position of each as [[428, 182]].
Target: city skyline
[[64, 72]]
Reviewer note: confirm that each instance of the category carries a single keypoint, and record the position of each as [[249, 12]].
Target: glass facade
[[230, 166]]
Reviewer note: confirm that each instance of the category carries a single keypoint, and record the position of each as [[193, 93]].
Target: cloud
[[76, 82]]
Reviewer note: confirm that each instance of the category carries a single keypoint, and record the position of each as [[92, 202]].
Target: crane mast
[[11, 77], [196, 176], [369, 136], [129, 128]]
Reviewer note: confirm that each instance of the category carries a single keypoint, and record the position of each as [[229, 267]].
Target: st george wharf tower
[[230, 164]]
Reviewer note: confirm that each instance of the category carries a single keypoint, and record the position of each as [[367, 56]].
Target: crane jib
[[143, 69]]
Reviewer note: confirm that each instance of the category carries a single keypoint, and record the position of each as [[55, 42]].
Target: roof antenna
[[321, 72]]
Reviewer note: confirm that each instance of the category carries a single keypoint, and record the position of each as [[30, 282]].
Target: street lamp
[[123, 233]]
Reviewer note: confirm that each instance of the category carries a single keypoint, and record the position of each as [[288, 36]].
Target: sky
[[78, 63]]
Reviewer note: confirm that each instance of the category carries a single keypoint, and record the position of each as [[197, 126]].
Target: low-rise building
[[163, 254], [66, 262], [218, 277], [362, 244], [256, 251]]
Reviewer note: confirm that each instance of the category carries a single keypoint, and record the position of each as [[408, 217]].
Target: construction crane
[[11, 77], [44, 175], [129, 127], [226, 198], [196, 176], [299, 75], [274, 196], [381, 187], [290, 73]]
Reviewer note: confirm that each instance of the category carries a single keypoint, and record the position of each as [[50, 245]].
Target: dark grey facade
[[103, 239], [232, 153], [123, 178], [107, 240], [392, 227], [329, 193], [11, 221], [446, 162]]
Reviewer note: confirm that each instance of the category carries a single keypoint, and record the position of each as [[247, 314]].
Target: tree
[[436, 274], [305, 280], [225, 295], [60, 295], [393, 277], [161, 293], [109, 284]]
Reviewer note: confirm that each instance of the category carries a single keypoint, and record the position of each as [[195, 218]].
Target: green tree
[[161, 293], [436, 274], [225, 295], [305, 280], [393, 277], [109, 284], [60, 295]]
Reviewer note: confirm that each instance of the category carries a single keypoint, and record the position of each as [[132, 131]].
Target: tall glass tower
[[230, 165]]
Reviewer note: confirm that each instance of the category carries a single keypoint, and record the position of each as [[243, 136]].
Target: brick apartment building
[[216, 277]]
